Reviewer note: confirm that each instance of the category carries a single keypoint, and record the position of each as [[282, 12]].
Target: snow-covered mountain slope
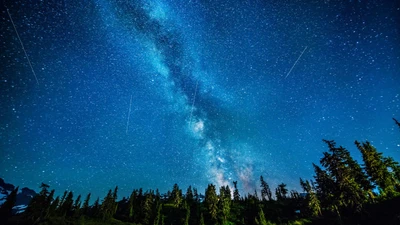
[[24, 196]]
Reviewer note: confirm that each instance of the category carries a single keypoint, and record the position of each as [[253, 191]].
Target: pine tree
[[114, 204], [54, 206], [77, 206], [224, 203], [196, 195], [131, 203], [63, 197], [266, 193], [39, 205], [211, 202], [67, 207], [85, 207], [107, 207], [176, 195], [236, 195], [281, 191], [147, 209], [6, 208], [49, 200], [261, 219], [347, 176], [95, 212], [201, 220], [159, 216], [189, 195], [187, 215], [313, 204]]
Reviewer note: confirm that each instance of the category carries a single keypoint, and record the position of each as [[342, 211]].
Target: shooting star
[[194, 99], [296, 62], [22, 45], [129, 114]]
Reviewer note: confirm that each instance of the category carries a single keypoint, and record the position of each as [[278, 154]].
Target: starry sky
[[152, 93]]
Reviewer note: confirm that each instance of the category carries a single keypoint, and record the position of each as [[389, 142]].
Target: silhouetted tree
[[189, 195], [281, 192], [6, 208], [211, 202], [236, 195], [95, 212], [77, 206], [66, 207], [348, 180], [54, 207], [176, 195], [107, 206], [261, 218], [313, 204], [85, 207], [39, 205], [377, 169], [224, 203], [266, 193]]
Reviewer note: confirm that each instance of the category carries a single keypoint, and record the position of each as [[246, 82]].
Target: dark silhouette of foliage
[[266, 193], [211, 203], [236, 195], [85, 207], [281, 191], [6, 208], [342, 192]]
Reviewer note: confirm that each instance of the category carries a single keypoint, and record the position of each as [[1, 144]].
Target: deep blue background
[[210, 101]]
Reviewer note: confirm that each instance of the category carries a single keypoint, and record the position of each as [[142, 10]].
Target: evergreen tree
[[131, 203], [236, 195], [189, 195], [107, 206], [6, 208], [377, 168], [157, 196], [176, 195], [95, 212], [211, 202], [49, 200], [201, 220], [196, 195], [63, 197], [54, 206], [266, 193], [147, 209], [85, 207], [159, 216], [187, 215], [224, 203], [77, 206], [261, 219], [281, 191], [39, 205], [349, 185], [313, 204], [294, 194], [67, 206]]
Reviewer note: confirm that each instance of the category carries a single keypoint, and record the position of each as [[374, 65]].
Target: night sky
[[152, 93]]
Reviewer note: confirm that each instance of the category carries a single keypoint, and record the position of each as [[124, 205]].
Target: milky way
[[152, 93]]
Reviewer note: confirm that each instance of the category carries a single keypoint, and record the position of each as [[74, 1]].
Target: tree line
[[342, 192]]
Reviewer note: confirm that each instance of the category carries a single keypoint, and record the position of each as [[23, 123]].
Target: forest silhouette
[[342, 192]]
